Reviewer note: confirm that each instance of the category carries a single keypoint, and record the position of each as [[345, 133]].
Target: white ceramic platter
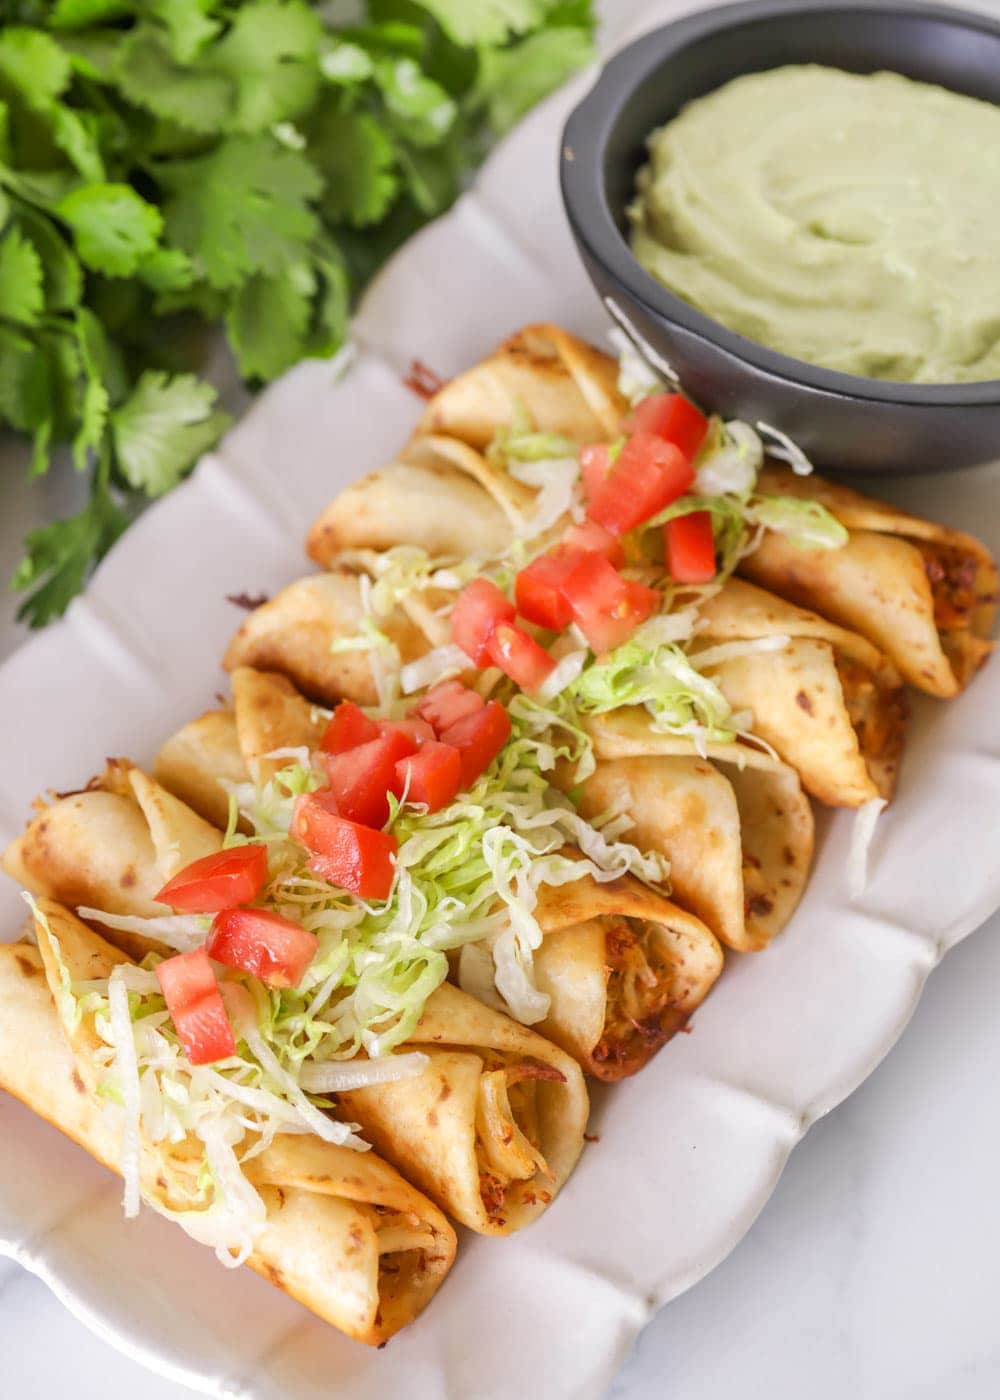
[[689, 1152]]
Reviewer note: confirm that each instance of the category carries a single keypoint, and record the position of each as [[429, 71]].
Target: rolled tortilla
[[111, 847], [624, 967], [439, 495], [922, 593], [225, 746], [564, 385], [195, 762], [493, 1128], [345, 1235], [293, 632], [829, 703], [736, 826]]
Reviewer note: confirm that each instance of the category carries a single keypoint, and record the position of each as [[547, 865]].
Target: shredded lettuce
[[663, 678], [807, 524], [729, 460]]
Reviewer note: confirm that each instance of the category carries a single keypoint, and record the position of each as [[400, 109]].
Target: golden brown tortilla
[[195, 762], [293, 632], [494, 1126], [736, 826], [924, 594], [111, 847], [439, 495], [625, 968], [346, 1235], [828, 703], [564, 385]]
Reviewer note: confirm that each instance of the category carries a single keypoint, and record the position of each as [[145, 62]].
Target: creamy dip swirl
[[850, 221]]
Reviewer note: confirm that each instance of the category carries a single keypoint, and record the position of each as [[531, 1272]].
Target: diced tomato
[[348, 855], [607, 608], [480, 607], [192, 996], [262, 943], [689, 546], [433, 775], [479, 738], [538, 590], [519, 656], [594, 539], [673, 418], [595, 463], [446, 703], [418, 731], [349, 726], [219, 881], [361, 778], [647, 476]]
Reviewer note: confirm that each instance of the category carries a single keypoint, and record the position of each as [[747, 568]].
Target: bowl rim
[[581, 158]]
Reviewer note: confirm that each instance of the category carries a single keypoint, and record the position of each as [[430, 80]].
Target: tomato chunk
[[219, 881], [479, 738], [418, 731], [519, 656], [538, 589], [262, 943], [647, 476], [689, 546], [673, 418], [349, 726], [192, 996], [480, 607], [349, 855], [595, 463], [448, 702], [607, 608], [594, 539], [432, 776], [362, 778]]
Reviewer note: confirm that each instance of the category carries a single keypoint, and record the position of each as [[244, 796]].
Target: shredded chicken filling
[[508, 1132], [878, 714], [951, 573], [398, 1231], [639, 990]]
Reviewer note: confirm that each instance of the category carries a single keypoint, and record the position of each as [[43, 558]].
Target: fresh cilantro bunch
[[167, 166]]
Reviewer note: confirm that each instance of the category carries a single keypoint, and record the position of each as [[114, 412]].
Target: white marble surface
[[873, 1272]]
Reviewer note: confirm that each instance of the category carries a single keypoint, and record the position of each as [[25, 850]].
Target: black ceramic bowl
[[845, 422]]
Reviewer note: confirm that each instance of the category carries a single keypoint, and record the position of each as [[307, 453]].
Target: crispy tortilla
[[736, 827], [625, 968], [829, 703], [922, 593], [293, 632], [195, 762], [439, 495], [346, 1235], [564, 385], [111, 847], [494, 1126]]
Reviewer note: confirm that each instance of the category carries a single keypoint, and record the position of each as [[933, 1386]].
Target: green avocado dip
[[850, 221]]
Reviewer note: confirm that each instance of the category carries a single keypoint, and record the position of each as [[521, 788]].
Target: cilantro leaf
[[76, 14], [163, 428], [61, 274], [59, 557], [512, 80], [358, 160], [150, 75], [114, 228], [423, 110], [487, 21], [268, 321], [271, 55], [242, 208], [33, 63], [22, 294], [187, 22]]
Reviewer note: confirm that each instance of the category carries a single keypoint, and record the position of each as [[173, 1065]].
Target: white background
[[873, 1272]]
